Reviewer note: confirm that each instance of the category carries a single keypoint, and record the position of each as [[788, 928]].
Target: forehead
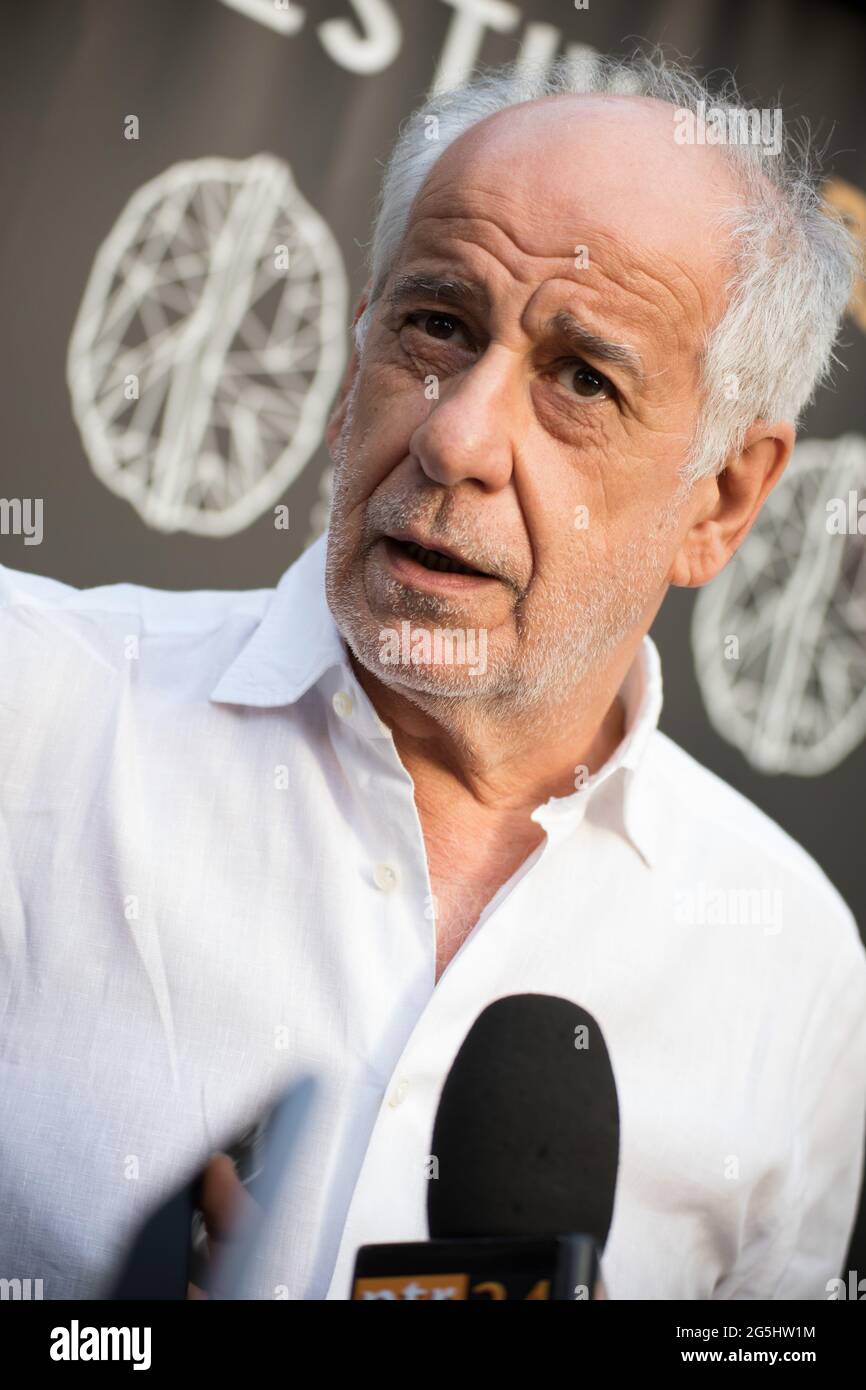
[[522, 191]]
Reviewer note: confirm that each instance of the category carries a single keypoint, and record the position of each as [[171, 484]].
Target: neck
[[500, 758]]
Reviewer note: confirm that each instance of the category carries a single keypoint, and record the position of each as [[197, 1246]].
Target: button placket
[[399, 1093], [343, 703], [385, 877]]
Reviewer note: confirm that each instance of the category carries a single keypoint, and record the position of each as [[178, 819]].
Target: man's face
[[525, 399]]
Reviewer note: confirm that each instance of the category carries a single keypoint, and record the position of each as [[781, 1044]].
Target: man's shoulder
[[157, 610], [730, 830], [115, 641]]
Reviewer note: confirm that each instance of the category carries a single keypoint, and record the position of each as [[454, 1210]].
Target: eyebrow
[[417, 284], [582, 342]]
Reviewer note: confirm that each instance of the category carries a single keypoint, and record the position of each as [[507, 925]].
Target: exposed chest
[[465, 876], [457, 905]]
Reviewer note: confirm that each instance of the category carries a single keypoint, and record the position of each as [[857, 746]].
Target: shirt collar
[[620, 794], [639, 794], [297, 642]]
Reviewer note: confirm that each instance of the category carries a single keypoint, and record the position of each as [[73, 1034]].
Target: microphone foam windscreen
[[527, 1131]]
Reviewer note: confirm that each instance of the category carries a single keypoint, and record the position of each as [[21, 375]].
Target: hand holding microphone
[[527, 1142], [226, 1209]]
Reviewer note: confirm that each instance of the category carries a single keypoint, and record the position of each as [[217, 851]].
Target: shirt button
[[343, 703], [399, 1093], [385, 877]]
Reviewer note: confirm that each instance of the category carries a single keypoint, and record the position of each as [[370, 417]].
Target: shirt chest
[[229, 911]]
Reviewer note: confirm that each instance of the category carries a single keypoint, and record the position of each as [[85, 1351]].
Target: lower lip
[[409, 571]]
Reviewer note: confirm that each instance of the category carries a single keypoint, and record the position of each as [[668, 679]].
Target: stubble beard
[[584, 626]]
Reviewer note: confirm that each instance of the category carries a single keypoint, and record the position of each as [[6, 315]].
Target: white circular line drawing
[[794, 598], [218, 301]]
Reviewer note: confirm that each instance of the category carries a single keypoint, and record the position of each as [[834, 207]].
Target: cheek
[[587, 509], [385, 417], [570, 489]]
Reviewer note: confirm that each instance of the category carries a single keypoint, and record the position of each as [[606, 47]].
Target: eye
[[585, 381], [436, 324]]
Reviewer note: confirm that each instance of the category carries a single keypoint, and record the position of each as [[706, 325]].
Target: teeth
[[432, 560]]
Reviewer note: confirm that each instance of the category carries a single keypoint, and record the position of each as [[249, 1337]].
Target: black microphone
[[526, 1140]]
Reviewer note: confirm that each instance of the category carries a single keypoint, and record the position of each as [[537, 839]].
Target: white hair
[[794, 262]]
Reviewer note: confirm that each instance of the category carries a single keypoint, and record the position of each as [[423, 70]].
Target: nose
[[470, 431]]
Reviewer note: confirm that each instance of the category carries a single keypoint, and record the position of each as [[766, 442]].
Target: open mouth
[[434, 559]]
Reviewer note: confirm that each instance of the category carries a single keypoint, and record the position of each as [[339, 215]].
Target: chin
[[437, 678], [435, 682]]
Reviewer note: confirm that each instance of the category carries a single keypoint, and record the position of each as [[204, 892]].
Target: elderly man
[[247, 836]]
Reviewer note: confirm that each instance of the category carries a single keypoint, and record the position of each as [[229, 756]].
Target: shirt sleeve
[[819, 1203], [19, 586]]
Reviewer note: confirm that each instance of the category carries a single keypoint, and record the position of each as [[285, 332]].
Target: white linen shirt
[[213, 880]]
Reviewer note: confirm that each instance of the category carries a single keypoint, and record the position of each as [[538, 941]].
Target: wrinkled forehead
[[537, 182]]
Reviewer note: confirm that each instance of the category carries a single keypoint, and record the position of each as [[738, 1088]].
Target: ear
[[338, 410], [726, 505]]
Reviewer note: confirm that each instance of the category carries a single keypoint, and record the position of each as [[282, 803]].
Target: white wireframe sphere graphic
[[791, 604], [209, 343]]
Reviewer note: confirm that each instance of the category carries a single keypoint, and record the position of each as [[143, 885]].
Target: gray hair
[[794, 263]]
